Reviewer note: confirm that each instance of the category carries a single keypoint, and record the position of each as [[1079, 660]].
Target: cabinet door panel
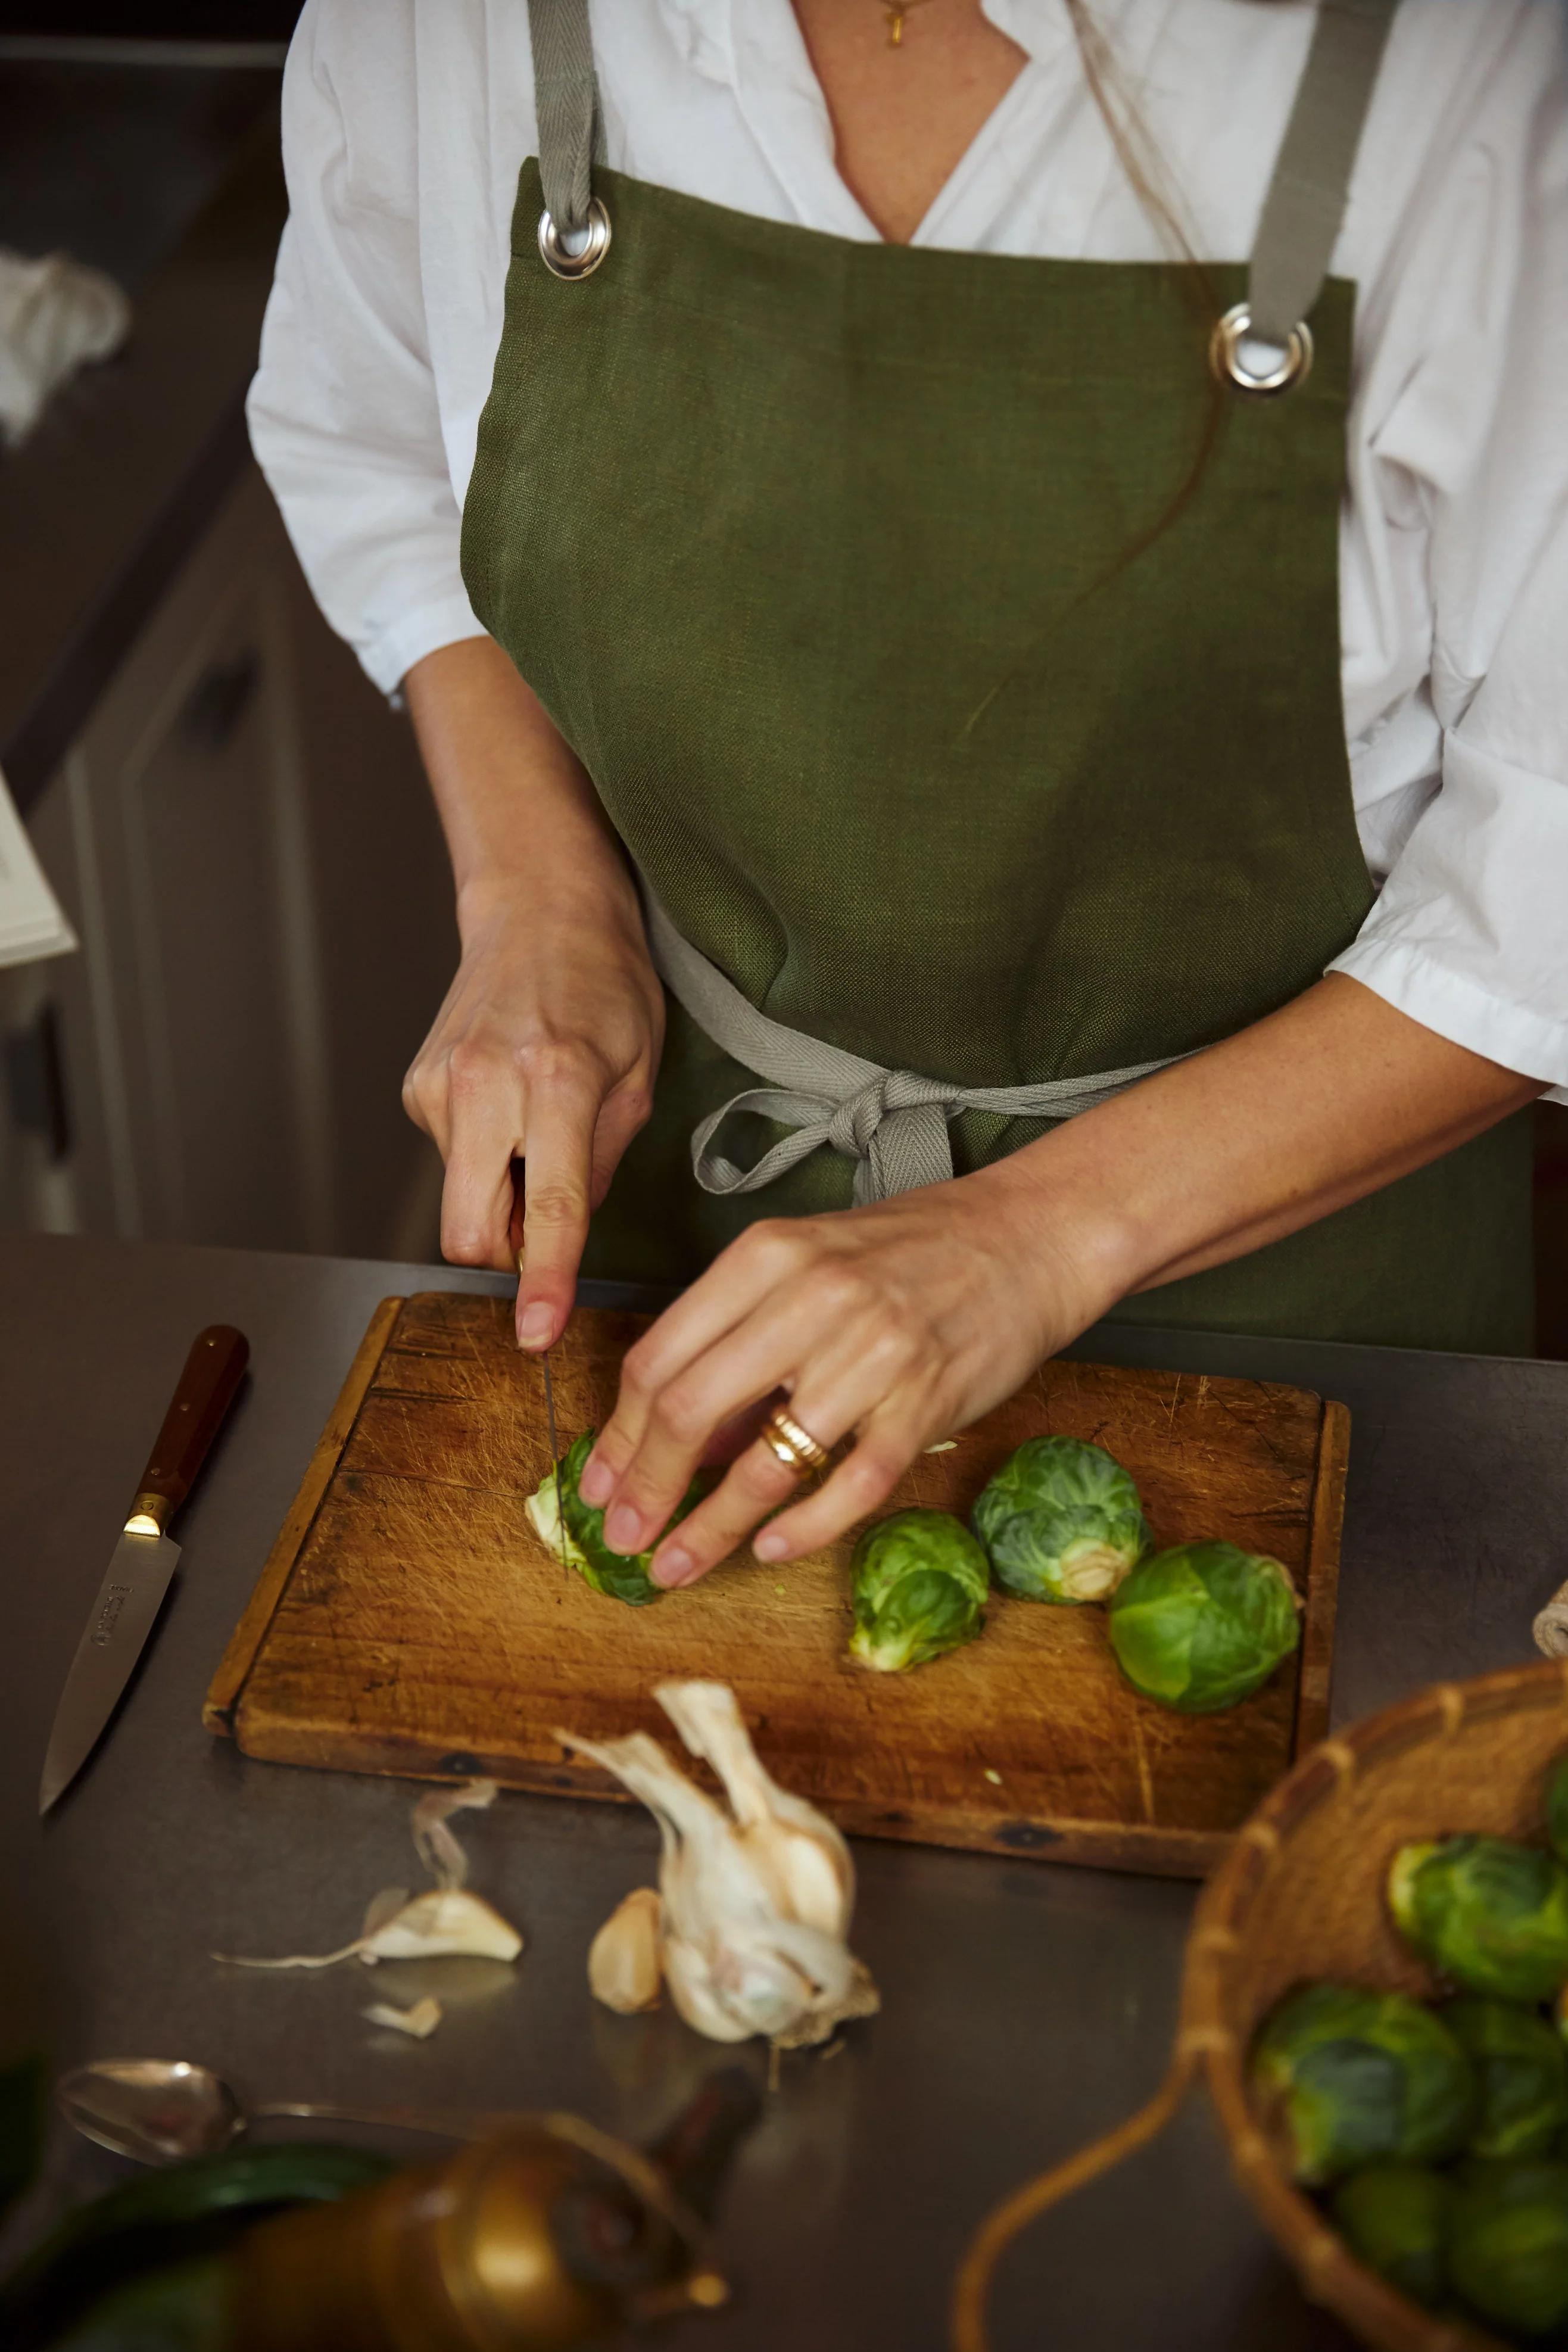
[[201, 823], [242, 839]]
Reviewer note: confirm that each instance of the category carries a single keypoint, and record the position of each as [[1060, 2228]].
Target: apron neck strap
[[566, 96], [1306, 199], [1301, 214]]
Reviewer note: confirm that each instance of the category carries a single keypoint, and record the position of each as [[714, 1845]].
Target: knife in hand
[[518, 1197], [144, 1559]]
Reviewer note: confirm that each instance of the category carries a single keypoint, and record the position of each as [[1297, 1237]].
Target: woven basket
[[1300, 1896]]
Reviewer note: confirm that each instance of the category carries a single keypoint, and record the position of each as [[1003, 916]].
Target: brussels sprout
[[1395, 2218], [1345, 2076], [624, 1577], [1557, 1808], [1201, 1627], [1521, 2075], [1060, 1522], [1489, 1914], [919, 1581], [1508, 2244]]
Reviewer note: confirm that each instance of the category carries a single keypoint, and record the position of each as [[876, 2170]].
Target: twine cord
[[996, 2233]]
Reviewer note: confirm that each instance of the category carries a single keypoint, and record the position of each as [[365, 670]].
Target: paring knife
[[144, 1559], [520, 1203], [550, 1422], [554, 1452]]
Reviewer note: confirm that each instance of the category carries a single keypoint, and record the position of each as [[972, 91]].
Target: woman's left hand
[[903, 1322]]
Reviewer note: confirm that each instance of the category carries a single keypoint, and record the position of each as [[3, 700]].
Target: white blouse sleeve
[[343, 411], [1469, 463]]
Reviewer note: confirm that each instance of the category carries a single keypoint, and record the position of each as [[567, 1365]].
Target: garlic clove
[[447, 1922], [805, 1876], [755, 1981], [623, 1966], [690, 1979], [420, 2021]]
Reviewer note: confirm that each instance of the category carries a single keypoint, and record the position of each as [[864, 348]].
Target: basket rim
[[1328, 2271]]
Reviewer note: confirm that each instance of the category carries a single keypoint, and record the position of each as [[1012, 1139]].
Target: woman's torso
[[719, 102]]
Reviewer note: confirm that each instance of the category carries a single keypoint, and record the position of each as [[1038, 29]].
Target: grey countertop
[[168, 178], [1027, 2005]]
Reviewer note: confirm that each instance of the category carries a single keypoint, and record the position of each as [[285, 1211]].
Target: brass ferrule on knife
[[148, 1515]]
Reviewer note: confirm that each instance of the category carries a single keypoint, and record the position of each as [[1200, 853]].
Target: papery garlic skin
[[624, 1967], [418, 2022], [434, 1843], [447, 1922]]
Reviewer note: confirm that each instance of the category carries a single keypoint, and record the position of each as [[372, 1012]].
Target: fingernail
[[535, 1326], [672, 1567], [623, 1528], [770, 1545], [597, 1482]]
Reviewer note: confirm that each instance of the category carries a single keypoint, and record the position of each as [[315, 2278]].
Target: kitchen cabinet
[[243, 840]]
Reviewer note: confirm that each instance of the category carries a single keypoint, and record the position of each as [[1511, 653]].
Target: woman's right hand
[[547, 1045], [546, 1051]]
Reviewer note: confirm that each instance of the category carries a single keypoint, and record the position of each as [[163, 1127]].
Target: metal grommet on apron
[[978, 765], [558, 256], [1227, 349]]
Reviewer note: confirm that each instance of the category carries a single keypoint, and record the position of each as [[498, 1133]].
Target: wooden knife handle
[[213, 1370]]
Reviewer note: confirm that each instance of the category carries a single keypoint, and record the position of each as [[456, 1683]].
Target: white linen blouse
[[404, 125]]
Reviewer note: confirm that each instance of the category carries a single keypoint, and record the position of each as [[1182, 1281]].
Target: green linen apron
[[859, 577]]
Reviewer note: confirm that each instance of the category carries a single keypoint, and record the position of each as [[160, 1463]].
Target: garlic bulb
[[446, 1923], [623, 1965], [756, 1902]]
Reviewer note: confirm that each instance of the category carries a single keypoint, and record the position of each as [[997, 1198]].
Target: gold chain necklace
[[896, 11]]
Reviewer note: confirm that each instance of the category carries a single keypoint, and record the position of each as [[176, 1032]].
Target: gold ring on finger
[[795, 1447]]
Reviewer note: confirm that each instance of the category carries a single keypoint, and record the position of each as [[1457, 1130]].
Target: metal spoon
[[163, 2110]]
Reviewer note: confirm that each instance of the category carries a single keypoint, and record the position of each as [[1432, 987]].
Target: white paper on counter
[[31, 923]]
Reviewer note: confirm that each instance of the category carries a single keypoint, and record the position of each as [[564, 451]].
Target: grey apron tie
[[1305, 205], [1301, 214], [566, 100], [891, 1123]]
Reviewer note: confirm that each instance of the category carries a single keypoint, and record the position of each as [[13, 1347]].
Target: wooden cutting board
[[409, 1620]]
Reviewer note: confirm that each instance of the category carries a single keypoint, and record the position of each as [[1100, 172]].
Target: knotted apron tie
[[891, 1123]]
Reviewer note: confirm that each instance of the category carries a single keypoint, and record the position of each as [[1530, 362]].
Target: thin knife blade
[[554, 1454], [123, 1615]]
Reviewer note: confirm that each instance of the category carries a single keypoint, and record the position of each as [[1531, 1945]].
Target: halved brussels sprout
[[1060, 1522], [1394, 2217], [581, 1542], [1202, 1626], [1521, 2075], [1343, 2076], [1508, 2244], [919, 1581], [1488, 1913]]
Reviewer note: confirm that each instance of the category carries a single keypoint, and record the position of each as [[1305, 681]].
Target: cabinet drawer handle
[[220, 697]]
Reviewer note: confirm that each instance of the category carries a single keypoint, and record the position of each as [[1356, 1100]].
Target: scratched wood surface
[[409, 1620]]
